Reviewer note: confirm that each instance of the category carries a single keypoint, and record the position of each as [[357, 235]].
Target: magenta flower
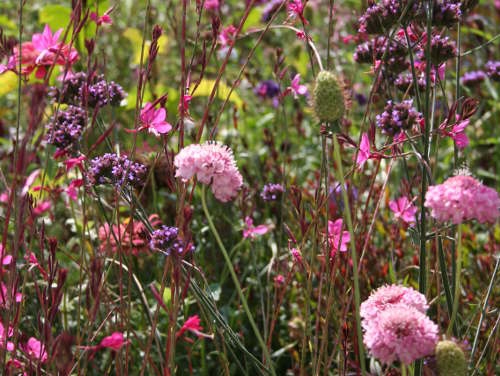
[[462, 198], [154, 120], [251, 231], [364, 151], [114, 342], [401, 333], [227, 35], [403, 209], [192, 324], [457, 132], [337, 239], [296, 10], [212, 5], [36, 350], [4, 259], [296, 88], [104, 19], [279, 280], [4, 334], [75, 162], [72, 190]]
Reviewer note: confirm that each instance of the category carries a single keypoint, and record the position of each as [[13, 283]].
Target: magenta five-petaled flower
[[337, 239], [403, 209], [296, 88], [154, 121], [364, 150], [456, 132], [250, 231]]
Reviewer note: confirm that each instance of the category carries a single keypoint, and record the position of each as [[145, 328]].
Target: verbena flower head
[[380, 16], [446, 13], [166, 239], [102, 93], [212, 163], [66, 127], [442, 49], [271, 192], [116, 170], [401, 333], [462, 198], [404, 81], [388, 296], [473, 78], [493, 70], [398, 117]]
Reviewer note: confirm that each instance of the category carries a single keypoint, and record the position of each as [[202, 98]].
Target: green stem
[[229, 264], [403, 370], [347, 215], [457, 279]]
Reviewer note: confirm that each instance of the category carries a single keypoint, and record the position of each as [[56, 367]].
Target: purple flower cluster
[[442, 49], [66, 127], [97, 90], [398, 117], [473, 78], [267, 89], [117, 170], [446, 13], [381, 16], [395, 58], [271, 192], [166, 239], [493, 70], [405, 80]]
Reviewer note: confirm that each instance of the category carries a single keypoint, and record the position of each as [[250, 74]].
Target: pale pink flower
[[36, 350], [214, 165], [462, 198], [114, 342], [29, 181], [296, 88], [337, 238], [390, 295], [401, 333], [251, 231], [364, 150], [154, 120], [403, 209]]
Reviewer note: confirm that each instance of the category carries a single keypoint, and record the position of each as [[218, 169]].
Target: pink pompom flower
[[213, 164], [462, 198], [401, 333], [388, 296]]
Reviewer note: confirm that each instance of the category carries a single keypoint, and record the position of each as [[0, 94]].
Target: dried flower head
[[328, 97], [450, 359]]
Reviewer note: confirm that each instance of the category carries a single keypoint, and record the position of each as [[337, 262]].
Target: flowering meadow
[[255, 187]]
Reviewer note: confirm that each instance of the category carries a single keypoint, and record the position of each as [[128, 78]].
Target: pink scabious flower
[[213, 164], [462, 198], [337, 238], [403, 209], [401, 333], [388, 296], [154, 120], [36, 350], [250, 231]]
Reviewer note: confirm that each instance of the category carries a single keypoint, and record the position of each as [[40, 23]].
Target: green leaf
[[8, 82], [56, 16], [205, 89]]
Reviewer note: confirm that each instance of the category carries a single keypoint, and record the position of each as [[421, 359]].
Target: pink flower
[[364, 150], [296, 88], [36, 350], [279, 280], [154, 120], [192, 324], [401, 333], [227, 35], [4, 259], [296, 9], [462, 198], [390, 295], [75, 162], [42, 207], [29, 181], [403, 209], [214, 165], [211, 5], [6, 296], [184, 104], [250, 231], [297, 255], [4, 334], [457, 132], [114, 342], [72, 189], [104, 19], [337, 238]]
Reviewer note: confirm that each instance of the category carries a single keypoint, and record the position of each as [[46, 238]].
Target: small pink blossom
[[457, 132], [114, 342], [212, 5], [403, 209], [364, 150], [192, 324], [279, 280], [4, 334], [296, 10], [296, 88], [154, 120], [36, 350], [297, 255], [184, 104], [75, 162], [104, 19], [42, 207], [72, 190], [337, 239], [227, 35], [29, 181], [250, 231], [4, 259]]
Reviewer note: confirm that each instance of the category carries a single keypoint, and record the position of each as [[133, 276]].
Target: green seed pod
[[450, 359], [328, 98]]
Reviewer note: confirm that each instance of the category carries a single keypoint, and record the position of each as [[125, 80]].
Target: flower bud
[[450, 359], [328, 97]]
